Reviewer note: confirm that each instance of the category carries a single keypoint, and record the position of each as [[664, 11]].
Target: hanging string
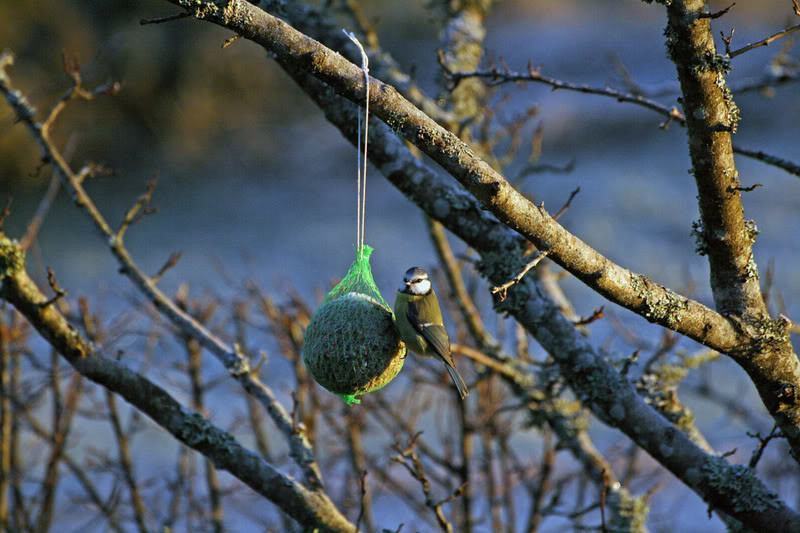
[[361, 172]]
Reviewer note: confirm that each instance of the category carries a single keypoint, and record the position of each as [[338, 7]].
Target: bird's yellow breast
[[414, 341]]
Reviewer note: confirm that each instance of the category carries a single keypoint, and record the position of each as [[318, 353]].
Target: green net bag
[[351, 345]]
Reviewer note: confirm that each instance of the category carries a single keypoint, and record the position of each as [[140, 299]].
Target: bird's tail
[[463, 391]]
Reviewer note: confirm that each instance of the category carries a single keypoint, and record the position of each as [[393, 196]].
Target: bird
[[419, 321]]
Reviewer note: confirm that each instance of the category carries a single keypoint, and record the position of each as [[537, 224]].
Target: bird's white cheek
[[423, 287]]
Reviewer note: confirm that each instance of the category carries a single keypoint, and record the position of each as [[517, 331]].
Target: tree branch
[[312, 508], [598, 385], [779, 385], [723, 234], [231, 358]]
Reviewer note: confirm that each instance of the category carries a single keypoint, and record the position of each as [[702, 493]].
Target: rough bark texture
[[311, 508], [760, 344], [733, 489], [723, 234]]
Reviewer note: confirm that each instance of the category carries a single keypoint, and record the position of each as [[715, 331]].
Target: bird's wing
[[437, 337], [435, 334]]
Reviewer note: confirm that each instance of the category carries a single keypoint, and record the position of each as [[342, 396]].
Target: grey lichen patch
[[660, 304], [693, 476], [737, 485], [352, 345], [441, 208], [629, 512], [771, 332], [751, 268], [733, 113], [700, 243], [602, 387], [197, 432], [203, 9], [12, 257], [752, 230], [665, 449], [711, 62]]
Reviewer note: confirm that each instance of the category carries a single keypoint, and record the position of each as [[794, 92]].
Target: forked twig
[[502, 290]]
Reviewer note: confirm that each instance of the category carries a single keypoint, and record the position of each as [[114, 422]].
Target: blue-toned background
[[255, 183]]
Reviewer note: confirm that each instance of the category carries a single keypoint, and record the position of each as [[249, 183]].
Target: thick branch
[[778, 384], [233, 360], [311, 508], [600, 387], [711, 116], [723, 234], [630, 290]]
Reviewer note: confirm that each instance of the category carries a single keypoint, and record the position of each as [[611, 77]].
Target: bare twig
[[6, 211], [411, 461], [161, 20], [762, 444], [596, 315], [788, 166], [764, 42], [603, 494], [232, 359], [126, 462], [138, 210], [312, 508], [363, 484], [59, 292], [566, 205], [502, 290], [745, 189], [716, 14], [173, 259], [496, 77]]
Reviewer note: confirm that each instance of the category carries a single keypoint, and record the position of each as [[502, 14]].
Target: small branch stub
[[502, 290]]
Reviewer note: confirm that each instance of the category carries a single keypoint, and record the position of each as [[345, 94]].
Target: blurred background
[[255, 184]]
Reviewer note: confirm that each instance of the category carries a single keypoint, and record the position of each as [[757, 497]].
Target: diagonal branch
[[600, 387], [311, 508], [496, 76], [232, 358], [621, 286], [764, 42], [723, 233], [778, 385]]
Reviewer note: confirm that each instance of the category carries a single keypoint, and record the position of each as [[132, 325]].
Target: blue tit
[[419, 320]]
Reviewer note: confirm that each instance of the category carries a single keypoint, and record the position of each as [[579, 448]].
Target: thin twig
[[502, 290], [171, 262], [788, 166], [745, 189], [232, 359], [762, 444], [566, 205], [60, 293], [161, 20], [497, 77], [137, 210], [363, 482], [596, 315], [603, 494], [716, 14], [764, 42], [6, 211]]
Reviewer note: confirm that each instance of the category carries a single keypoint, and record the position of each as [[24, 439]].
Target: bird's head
[[416, 282]]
